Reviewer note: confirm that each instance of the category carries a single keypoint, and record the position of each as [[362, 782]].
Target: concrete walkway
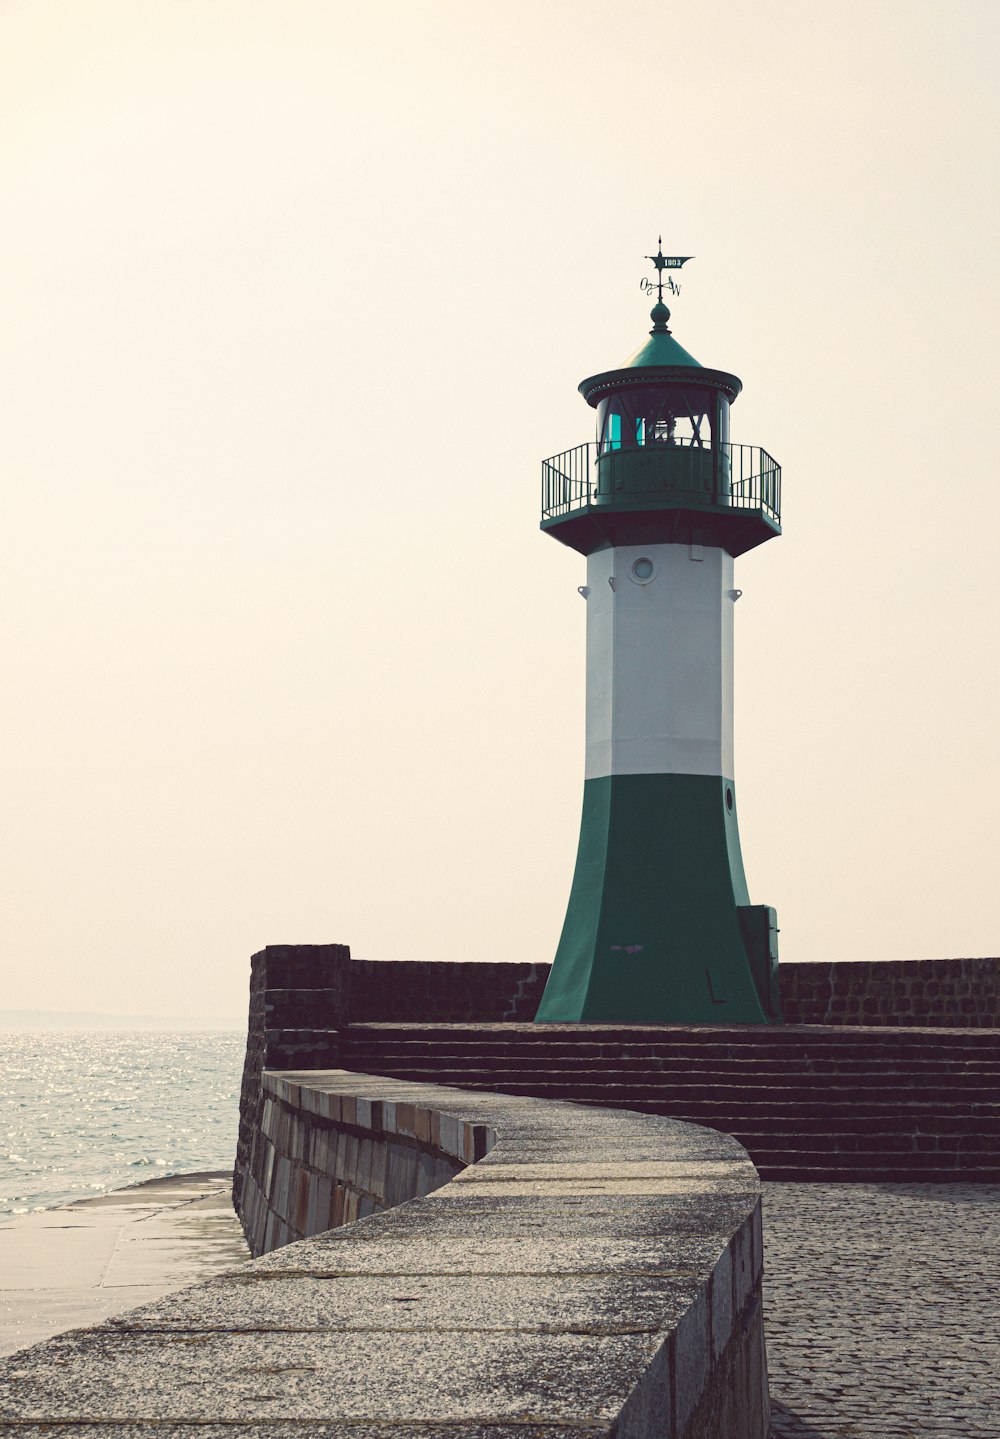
[[882, 1310], [85, 1262]]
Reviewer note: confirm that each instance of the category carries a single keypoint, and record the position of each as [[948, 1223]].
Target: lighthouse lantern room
[[659, 926]]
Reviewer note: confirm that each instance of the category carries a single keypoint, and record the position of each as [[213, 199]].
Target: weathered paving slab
[[413, 1251], [385, 1303], [435, 1375], [604, 1282], [882, 1310], [498, 1217], [83, 1262]]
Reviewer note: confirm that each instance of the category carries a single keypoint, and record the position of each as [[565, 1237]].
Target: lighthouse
[[659, 927]]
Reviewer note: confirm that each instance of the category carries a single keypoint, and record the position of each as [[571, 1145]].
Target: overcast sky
[[295, 297]]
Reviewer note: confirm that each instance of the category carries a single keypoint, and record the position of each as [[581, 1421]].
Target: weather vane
[[663, 262]]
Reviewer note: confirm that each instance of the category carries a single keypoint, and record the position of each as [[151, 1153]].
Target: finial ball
[[659, 315]]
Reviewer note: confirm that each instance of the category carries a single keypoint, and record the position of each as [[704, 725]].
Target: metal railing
[[677, 475]]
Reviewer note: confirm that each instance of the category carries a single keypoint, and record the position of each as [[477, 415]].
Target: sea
[[83, 1113]]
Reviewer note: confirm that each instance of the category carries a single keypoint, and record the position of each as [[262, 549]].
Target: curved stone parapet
[[520, 1268]]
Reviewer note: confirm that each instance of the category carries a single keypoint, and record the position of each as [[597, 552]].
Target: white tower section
[[660, 661]]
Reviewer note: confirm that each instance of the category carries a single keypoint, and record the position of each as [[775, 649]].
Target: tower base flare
[[659, 927]]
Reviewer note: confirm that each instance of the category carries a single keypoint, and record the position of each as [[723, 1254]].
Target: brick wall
[[927, 993], [287, 982], [398, 990], [301, 995], [949, 993]]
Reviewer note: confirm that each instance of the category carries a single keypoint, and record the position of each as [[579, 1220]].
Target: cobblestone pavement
[[882, 1310]]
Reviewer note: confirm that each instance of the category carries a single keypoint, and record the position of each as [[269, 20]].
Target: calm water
[[82, 1114]]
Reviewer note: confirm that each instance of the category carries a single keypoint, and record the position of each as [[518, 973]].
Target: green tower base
[[660, 929]]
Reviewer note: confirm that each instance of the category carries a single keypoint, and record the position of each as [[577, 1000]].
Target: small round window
[[729, 799], [642, 570]]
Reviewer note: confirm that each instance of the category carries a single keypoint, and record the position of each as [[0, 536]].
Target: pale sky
[[296, 297]]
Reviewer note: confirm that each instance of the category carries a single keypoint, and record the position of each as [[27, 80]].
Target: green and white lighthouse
[[659, 927]]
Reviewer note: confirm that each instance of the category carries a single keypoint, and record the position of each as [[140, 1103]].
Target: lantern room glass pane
[[677, 414]]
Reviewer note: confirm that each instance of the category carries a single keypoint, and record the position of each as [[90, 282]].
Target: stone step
[[660, 1034], [900, 1122], [498, 1062], [940, 1077], [801, 1169], [940, 1062], [809, 1103], [789, 1118], [944, 1147], [780, 1118], [676, 1071], [928, 1045], [817, 1091], [938, 1050]]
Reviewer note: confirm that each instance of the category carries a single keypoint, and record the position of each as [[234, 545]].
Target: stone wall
[[320, 1159], [621, 1252]]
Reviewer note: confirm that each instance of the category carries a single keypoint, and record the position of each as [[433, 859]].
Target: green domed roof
[[661, 350], [661, 358]]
